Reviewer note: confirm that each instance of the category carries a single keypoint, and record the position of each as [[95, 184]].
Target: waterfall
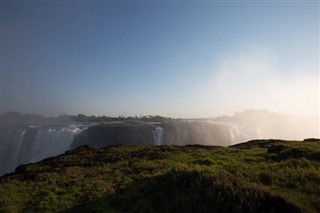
[[26, 145], [158, 135], [52, 141], [15, 147], [237, 135]]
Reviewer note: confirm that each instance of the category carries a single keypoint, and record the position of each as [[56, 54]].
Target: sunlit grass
[[100, 179]]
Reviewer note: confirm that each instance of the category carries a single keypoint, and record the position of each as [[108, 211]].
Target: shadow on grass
[[188, 191]]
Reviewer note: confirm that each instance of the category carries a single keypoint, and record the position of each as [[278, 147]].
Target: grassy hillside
[[258, 176]]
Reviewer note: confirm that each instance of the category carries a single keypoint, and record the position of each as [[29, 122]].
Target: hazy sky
[[172, 58]]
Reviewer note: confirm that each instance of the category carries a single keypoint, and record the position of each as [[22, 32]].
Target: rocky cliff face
[[105, 135], [173, 133]]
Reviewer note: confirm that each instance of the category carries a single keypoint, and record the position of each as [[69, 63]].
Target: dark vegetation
[[257, 176], [92, 118]]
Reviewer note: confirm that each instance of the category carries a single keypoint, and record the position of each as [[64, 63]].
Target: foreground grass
[[258, 176]]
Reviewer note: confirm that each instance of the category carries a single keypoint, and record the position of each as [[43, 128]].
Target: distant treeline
[[17, 119], [92, 118]]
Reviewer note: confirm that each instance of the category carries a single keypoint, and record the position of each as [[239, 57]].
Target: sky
[[182, 59]]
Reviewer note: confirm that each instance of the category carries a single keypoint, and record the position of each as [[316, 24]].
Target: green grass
[[258, 176]]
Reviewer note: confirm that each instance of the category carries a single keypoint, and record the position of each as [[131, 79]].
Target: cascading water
[[158, 135], [20, 146], [10, 148], [237, 135], [52, 141], [15, 151], [236, 132]]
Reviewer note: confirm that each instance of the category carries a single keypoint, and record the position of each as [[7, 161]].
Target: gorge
[[31, 140]]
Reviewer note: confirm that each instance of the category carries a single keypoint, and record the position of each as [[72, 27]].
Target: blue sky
[[178, 59]]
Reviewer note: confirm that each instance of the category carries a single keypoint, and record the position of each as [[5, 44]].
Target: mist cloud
[[254, 79]]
